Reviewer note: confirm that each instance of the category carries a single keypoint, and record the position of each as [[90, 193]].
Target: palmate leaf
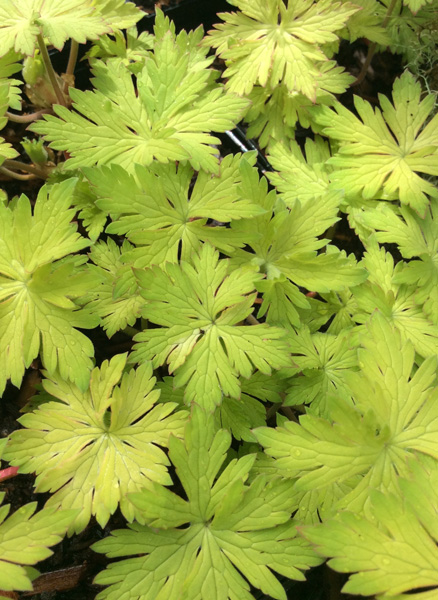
[[393, 416], [92, 448], [393, 551], [40, 295], [21, 21], [241, 415], [275, 112], [117, 299], [9, 64], [384, 150], [273, 42], [415, 237], [323, 362], [405, 27], [297, 177], [130, 46], [25, 539], [397, 301], [198, 307], [286, 250], [367, 22], [165, 215], [166, 114], [236, 533]]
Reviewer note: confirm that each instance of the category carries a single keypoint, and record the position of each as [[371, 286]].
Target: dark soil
[[68, 574]]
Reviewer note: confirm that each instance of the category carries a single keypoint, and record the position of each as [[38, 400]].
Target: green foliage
[[42, 283], [286, 251], [170, 118], [199, 308], [264, 392], [237, 533], [165, 214], [385, 149], [394, 550], [108, 444], [58, 20], [25, 539], [363, 441], [415, 237], [270, 42]]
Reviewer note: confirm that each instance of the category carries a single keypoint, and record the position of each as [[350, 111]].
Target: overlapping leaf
[[323, 362], [40, 295], [269, 43], [275, 112], [117, 299], [385, 150], [21, 21], [386, 291], [236, 533], [199, 308], [165, 215], [25, 539], [415, 238], [91, 448], [286, 250], [167, 114], [393, 415], [239, 416], [392, 552]]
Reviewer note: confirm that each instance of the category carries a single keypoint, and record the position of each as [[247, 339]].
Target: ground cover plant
[[205, 375]]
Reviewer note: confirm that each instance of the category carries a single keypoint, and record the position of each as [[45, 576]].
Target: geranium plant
[[276, 401]]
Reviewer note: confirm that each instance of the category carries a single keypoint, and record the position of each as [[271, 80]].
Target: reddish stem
[[8, 473]]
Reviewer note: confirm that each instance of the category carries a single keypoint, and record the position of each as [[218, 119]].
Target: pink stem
[[8, 473]]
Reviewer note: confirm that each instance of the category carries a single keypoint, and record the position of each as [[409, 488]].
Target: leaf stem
[[15, 175], [72, 59], [252, 320], [27, 118], [130, 331], [8, 473], [49, 68], [13, 165], [372, 47]]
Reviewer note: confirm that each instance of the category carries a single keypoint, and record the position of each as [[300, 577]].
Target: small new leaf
[[235, 535], [92, 448]]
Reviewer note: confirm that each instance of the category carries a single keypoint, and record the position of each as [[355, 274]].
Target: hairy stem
[[27, 118], [72, 59], [49, 68], [17, 165], [372, 47]]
